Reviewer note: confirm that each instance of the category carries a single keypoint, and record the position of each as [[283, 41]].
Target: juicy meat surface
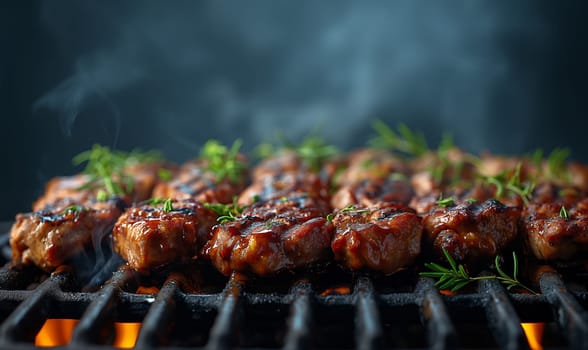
[[50, 237], [147, 236], [283, 185], [471, 233], [385, 238], [368, 193], [552, 236], [267, 241], [370, 165], [194, 182], [64, 187]]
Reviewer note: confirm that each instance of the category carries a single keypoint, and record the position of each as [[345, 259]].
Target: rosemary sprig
[[456, 277], [401, 140], [556, 163], [352, 208], [511, 184], [226, 212], [223, 161]]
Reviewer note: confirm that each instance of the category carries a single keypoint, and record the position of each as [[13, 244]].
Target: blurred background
[[506, 77]]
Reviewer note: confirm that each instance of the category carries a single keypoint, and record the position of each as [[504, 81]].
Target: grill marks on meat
[[50, 237], [193, 181], [148, 237], [553, 236], [385, 238], [268, 243], [471, 233], [285, 227], [372, 176]]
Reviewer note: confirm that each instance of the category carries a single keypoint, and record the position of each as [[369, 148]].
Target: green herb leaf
[[226, 212], [456, 277], [330, 217], [564, 213], [401, 140], [75, 209], [445, 202], [167, 205], [222, 161]]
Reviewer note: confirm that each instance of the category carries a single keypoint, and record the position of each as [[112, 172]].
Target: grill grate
[[374, 315]]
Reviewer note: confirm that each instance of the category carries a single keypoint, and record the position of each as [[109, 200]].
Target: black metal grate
[[377, 313]]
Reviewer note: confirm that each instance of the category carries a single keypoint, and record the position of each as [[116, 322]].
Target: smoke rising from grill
[[197, 70]]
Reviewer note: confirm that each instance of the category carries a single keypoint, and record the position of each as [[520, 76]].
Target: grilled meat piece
[[265, 241], [60, 188], [386, 237], [368, 193], [194, 182], [283, 185], [147, 236], [471, 233], [80, 188], [551, 235], [50, 237], [370, 165], [285, 161]]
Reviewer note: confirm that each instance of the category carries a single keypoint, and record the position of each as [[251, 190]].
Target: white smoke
[[194, 70]]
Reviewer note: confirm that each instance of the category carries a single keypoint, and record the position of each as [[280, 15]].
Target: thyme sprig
[[75, 209], [457, 277], [222, 161], [401, 140]]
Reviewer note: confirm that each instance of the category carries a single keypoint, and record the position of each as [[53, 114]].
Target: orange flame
[[125, 334], [58, 332], [147, 290], [55, 332], [534, 333], [336, 291]]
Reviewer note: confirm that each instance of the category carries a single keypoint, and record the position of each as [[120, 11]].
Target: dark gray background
[[506, 77]]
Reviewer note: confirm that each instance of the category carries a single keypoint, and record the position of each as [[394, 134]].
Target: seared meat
[[194, 182], [283, 185], [370, 165], [50, 237], [60, 188], [368, 193], [471, 233], [138, 185], [265, 241], [385, 238], [551, 235], [148, 237], [284, 162]]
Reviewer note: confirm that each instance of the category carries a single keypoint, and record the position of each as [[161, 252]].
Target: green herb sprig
[[445, 202], [456, 277], [226, 212], [106, 169], [511, 184], [222, 161], [564, 213], [75, 209], [167, 205], [401, 140]]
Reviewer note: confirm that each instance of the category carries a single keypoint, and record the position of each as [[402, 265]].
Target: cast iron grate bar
[[502, 317], [155, 326], [226, 323], [96, 325], [25, 321], [441, 333], [298, 335], [568, 313], [369, 329]]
